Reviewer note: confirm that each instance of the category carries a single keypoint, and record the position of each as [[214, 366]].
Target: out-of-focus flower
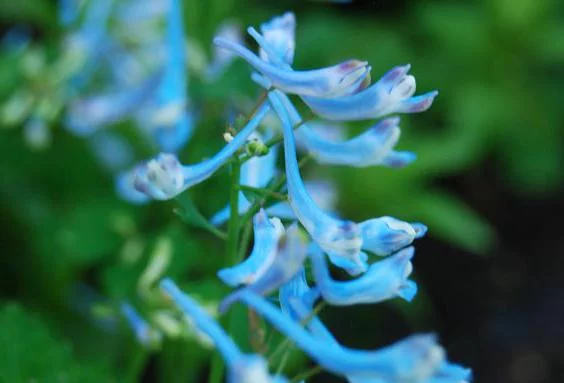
[[164, 177], [222, 58], [280, 33], [112, 151], [383, 280], [267, 234], [144, 333], [242, 368], [125, 187]]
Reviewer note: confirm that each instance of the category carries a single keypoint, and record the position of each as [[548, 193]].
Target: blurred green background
[[488, 182]]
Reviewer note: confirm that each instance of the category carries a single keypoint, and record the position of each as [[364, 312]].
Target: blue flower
[[267, 234], [87, 115], [222, 58], [242, 368], [416, 359], [393, 93], [164, 177], [172, 133], [287, 262], [320, 82], [385, 235], [341, 239], [112, 151], [373, 147], [383, 280]]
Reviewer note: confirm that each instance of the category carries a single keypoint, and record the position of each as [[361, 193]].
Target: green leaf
[[31, 353]]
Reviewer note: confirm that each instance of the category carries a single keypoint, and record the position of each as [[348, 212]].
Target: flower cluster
[[278, 259]]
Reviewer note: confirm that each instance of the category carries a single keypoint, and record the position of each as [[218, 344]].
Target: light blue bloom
[[172, 132], [242, 368], [393, 93], [373, 147], [143, 331], [341, 239], [385, 235], [69, 11], [383, 280], [164, 177], [320, 82], [280, 33], [286, 263], [87, 115], [416, 359], [267, 233], [125, 188]]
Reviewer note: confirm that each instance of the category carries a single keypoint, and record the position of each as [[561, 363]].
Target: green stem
[[245, 238], [307, 374], [264, 192], [217, 367]]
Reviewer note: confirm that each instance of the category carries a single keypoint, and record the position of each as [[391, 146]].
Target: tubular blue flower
[[143, 331], [267, 234], [341, 239], [256, 172], [125, 188], [287, 262], [413, 360], [172, 133], [383, 280], [373, 147], [385, 235], [164, 177], [242, 368], [391, 94], [87, 115], [280, 33], [320, 82]]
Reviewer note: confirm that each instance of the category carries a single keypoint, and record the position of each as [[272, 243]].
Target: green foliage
[[30, 352]]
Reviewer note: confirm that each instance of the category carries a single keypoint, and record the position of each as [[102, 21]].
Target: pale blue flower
[[87, 115], [287, 262], [385, 235], [113, 152], [321, 82], [416, 359], [339, 238], [242, 368], [164, 177], [267, 233], [322, 192], [373, 147], [383, 280], [393, 93], [172, 132]]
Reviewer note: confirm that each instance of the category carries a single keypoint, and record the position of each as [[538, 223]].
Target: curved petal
[[267, 234], [383, 280], [385, 235], [280, 33], [391, 94]]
